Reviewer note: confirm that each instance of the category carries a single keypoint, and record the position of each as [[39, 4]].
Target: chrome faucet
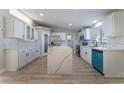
[[96, 43]]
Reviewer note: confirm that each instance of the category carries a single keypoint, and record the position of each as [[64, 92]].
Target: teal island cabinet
[[109, 62], [97, 60]]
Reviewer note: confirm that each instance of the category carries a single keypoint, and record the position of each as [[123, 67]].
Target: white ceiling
[[62, 17]]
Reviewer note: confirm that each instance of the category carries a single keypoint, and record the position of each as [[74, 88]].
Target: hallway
[[36, 73]]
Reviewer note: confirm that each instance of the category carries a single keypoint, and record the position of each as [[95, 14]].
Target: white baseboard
[[2, 70]]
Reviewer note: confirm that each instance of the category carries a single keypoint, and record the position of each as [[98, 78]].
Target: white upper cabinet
[[113, 25], [18, 29], [36, 34], [27, 34], [14, 28], [31, 33]]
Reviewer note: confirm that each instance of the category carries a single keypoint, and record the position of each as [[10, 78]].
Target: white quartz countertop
[[87, 46], [106, 48], [64, 47], [109, 48]]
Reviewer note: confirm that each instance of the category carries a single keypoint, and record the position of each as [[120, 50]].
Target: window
[[69, 37]]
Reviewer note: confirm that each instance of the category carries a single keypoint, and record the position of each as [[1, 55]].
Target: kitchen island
[[59, 60], [109, 61]]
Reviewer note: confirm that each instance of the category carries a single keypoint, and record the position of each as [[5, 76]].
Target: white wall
[[3, 12]]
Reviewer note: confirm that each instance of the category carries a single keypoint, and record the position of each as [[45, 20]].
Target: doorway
[[45, 43]]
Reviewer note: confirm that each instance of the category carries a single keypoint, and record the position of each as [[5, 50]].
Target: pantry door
[[45, 43]]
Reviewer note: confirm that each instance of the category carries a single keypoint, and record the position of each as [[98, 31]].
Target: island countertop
[[59, 60]]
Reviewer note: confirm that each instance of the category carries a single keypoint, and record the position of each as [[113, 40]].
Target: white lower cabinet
[[85, 53], [16, 59], [23, 57]]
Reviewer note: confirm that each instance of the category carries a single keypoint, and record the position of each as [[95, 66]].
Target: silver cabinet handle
[[23, 51], [27, 54]]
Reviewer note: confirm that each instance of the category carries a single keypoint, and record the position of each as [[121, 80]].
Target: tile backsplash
[[115, 42], [19, 44], [10, 43]]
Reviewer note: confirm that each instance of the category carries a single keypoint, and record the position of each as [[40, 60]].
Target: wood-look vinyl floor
[[36, 73]]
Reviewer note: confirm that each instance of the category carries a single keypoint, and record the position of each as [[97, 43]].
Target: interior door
[[32, 34], [45, 43]]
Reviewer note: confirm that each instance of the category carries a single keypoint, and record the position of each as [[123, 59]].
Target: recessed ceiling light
[[70, 24], [41, 14], [94, 21]]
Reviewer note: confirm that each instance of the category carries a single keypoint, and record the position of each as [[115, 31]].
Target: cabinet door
[[88, 58], [118, 24], [22, 58], [85, 54], [107, 26], [81, 52], [37, 52], [9, 26], [36, 34], [27, 34], [18, 29], [32, 34]]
